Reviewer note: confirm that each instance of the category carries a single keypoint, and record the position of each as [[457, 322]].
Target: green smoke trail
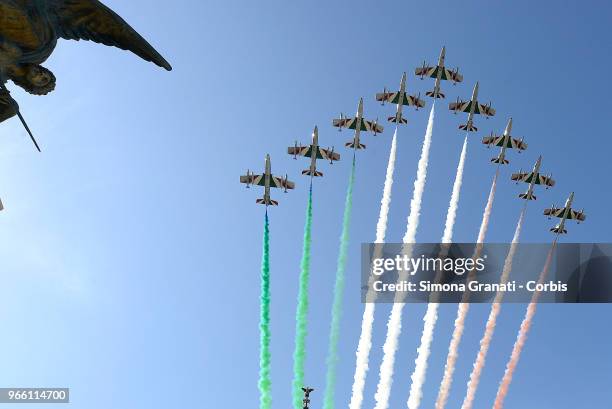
[[265, 384], [301, 315], [334, 334]]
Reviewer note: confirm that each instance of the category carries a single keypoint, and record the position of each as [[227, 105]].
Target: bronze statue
[[29, 30]]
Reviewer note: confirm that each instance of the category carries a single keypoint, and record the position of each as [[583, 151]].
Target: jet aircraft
[[314, 152], [358, 123], [439, 72], [533, 178], [471, 107], [505, 141], [400, 98], [565, 213], [267, 180]]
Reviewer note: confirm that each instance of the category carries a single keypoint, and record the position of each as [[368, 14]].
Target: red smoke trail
[[464, 307], [522, 336], [485, 342]]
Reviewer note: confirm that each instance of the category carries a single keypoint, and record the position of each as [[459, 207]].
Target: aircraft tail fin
[[469, 127], [268, 202], [435, 94], [310, 173], [500, 160], [397, 119], [352, 145], [528, 196], [558, 230]]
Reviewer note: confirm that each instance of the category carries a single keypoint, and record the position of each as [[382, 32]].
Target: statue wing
[[92, 20]]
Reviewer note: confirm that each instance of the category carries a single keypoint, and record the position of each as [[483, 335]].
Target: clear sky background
[[130, 253]]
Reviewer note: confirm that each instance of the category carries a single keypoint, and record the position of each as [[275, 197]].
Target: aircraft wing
[[432, 72], [364, 125], [484, 110], [502, 141], [413, 100], [455, 76], [426, 71], [493, 140], [519, 177], [345, 123], [554, 212], [394, 98], [281, 183], [516, 144], [371, 126], [328, 155], [252, 179], [300, 151], [574, 215], [544, 180], [536, 178], [462, 106], [388, 97], [450, 75]]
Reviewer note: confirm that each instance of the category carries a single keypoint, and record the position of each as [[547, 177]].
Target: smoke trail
[[484, 225], [420, 370], [454, 202], [385, 202], [522, 336], [431, 315], [463, 308], [265, 383], [365, 340], [485, 342], [419, 183], [299, 354], [332, 352], [394, 325]]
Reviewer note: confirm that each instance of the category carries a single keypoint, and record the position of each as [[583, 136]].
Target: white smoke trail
[[385, 203], [365, 340], [412, 223], [463, 308], [485, 342], [420, 370], [431, 315], [502, 391], [394, 325], [451, 215]]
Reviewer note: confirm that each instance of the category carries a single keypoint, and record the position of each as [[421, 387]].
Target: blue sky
[[130, 252]]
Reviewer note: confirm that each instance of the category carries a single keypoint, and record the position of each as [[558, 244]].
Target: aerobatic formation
[[29, 33], [359, 124]]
